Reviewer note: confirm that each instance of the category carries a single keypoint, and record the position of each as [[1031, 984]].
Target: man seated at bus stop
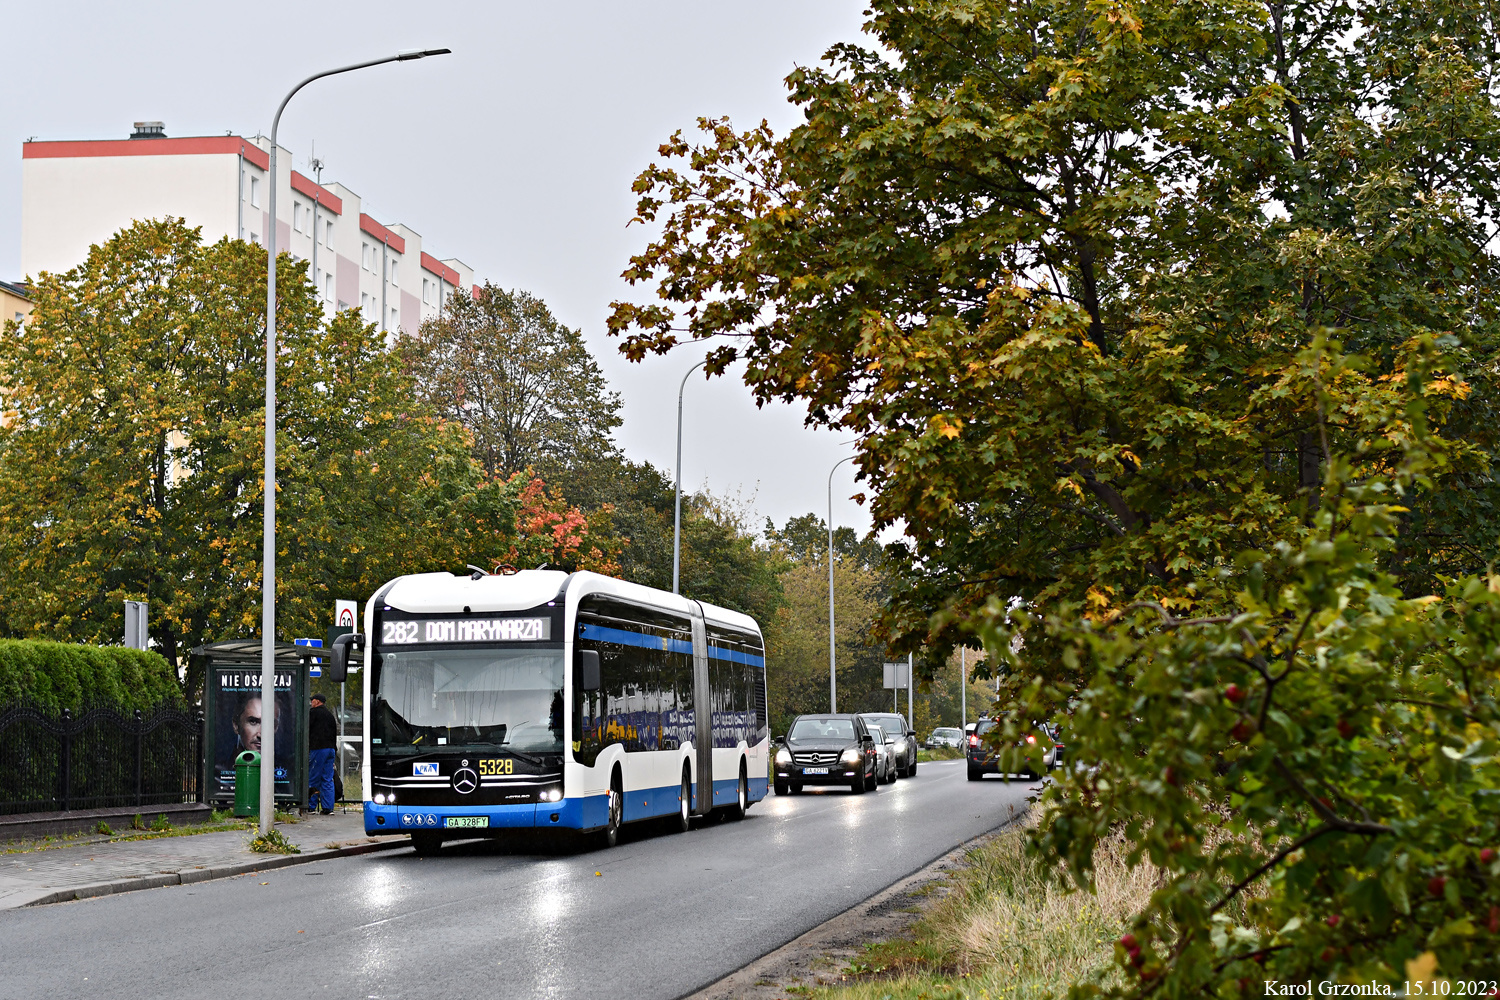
[[322, 733]]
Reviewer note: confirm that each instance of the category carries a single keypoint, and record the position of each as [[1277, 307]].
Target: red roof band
[[324, 197], [381, 233], [196, 145], [440, 269]]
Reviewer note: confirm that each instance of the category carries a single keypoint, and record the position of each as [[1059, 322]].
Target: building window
[[393, 273], [255, 192], [328, 286], [328, 234], [364, 306], [395, 318], [255, 238], [426, 292], [366, 258], [296, 217]]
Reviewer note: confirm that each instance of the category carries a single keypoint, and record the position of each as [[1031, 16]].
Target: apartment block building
[[15, 302], [78, 193]]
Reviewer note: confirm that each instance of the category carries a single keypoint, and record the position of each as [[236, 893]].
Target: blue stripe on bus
[[735, 656], [603, 633]]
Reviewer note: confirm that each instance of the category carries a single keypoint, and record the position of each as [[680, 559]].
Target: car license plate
[[815, 770], [467, 821]]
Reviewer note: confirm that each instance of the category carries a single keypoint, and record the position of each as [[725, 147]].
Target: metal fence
[[97, 757]]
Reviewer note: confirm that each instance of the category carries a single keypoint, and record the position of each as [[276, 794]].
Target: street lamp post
[[268, 513], [833, 683], [677, 495]]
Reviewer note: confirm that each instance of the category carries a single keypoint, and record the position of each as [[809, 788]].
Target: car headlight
[[783, 755], [852, 756]]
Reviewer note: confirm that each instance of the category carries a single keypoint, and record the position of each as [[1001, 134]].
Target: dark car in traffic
[[986, 756], [826, 750]]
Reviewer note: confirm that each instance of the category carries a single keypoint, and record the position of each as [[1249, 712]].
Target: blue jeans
[[320, 778]]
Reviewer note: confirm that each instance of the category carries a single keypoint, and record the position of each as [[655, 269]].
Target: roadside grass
[[939, 753], [1004, 930]]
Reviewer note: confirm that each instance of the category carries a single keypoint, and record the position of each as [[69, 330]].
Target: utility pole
[[833, 680], [963, 688]]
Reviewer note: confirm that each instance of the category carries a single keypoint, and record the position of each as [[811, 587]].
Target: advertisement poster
[[237, 726]]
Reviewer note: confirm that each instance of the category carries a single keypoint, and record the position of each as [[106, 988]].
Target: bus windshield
[[509, 699]]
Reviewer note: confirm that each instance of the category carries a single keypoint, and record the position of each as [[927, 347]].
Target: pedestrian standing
[[322, 732]]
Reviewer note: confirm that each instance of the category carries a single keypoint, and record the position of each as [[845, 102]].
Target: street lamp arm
[[403, 56], [677, 492]]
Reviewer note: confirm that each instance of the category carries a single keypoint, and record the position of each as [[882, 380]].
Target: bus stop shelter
[[233, 713]]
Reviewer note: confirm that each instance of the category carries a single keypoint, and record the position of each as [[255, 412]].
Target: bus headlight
[[380, 798], [552, 794]]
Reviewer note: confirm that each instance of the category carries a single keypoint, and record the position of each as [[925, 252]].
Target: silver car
[[945, 736], [905, 744], [885, 757]]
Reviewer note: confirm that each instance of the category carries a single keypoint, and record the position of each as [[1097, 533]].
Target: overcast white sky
[[514, 154]]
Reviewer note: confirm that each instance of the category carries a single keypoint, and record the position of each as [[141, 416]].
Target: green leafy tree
[[1313, 769], [524, 385], [131, 456], [1053, 264], [1149, 309]]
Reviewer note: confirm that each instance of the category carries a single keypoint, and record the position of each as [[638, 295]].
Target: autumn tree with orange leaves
[[130, 457]]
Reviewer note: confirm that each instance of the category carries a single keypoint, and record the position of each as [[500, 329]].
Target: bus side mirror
[[338, 662], [588, 670]]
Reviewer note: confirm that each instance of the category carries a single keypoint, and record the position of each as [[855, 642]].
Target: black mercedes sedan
[[826, 750]]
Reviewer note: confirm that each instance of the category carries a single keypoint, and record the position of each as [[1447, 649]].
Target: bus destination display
[[397, 633]]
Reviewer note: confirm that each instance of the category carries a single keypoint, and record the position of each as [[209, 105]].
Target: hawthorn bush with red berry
[[1314, 772]]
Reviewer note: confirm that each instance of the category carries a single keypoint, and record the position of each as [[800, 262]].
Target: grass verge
[[1003, 930]]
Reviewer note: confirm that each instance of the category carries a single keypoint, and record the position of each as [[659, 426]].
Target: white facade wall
[[78, 194]]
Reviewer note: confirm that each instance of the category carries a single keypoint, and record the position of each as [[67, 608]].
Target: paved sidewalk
[[78, 872]]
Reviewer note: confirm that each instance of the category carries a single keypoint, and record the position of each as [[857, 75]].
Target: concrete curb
[[196, 875]]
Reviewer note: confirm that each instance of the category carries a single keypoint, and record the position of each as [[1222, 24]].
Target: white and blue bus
[[542, 699]]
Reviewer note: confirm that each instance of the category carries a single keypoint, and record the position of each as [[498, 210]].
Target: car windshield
[[822, 729], [503, 698], [890, 723], [945, 732]]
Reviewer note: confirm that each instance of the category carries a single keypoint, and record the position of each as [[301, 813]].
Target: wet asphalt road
[[666, 913]]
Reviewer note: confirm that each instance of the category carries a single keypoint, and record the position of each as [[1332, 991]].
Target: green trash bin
[[247, 784]]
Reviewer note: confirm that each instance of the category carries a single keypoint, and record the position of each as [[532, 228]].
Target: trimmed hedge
[[61, 675]]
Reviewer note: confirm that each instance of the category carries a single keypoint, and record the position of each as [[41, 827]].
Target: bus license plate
[[467, 821], [815, 770]]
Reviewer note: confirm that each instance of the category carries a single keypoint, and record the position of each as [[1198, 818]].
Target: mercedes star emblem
[[465, 781]]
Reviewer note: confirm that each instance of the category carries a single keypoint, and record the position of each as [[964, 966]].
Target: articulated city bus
[[541, 699]]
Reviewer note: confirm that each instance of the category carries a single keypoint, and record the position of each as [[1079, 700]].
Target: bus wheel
[[616, 812], [742, 796], [426, 842], [685, 802]]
